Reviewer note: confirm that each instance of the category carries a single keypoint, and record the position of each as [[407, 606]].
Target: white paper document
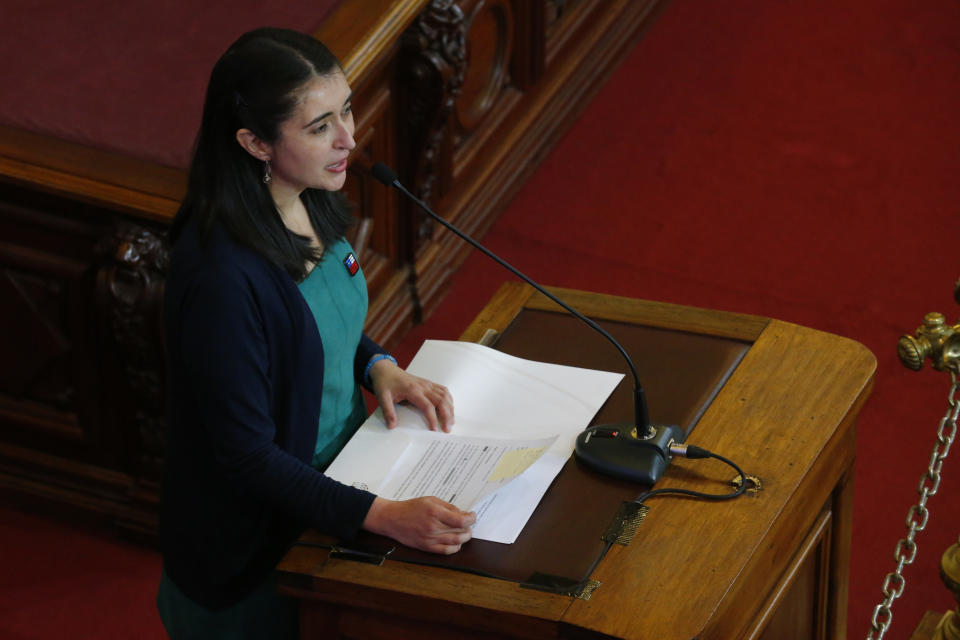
[[516, 423], [462, 471]]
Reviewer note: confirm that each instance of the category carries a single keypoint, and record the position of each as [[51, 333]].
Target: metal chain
[[917, 516]]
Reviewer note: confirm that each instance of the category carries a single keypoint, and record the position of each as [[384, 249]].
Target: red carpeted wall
[[126, 76]]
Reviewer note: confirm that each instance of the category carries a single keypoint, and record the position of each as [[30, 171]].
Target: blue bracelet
[[374, 360]]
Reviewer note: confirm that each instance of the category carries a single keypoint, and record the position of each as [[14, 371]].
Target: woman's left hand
[[391, 385]]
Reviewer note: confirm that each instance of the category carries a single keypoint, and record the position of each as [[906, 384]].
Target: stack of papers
[[515, 427]]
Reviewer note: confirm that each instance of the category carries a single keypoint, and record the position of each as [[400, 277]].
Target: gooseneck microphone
[[639, 452]]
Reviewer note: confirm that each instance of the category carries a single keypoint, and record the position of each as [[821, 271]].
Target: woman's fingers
[[444, 407], [427, 523], [393, 385], [454, 518], [451, 543], [389, 410], [439, 411]]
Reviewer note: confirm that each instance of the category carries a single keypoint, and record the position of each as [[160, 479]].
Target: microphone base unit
[[613, 450]]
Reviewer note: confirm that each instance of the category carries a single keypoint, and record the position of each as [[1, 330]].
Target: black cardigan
[[245, 371]]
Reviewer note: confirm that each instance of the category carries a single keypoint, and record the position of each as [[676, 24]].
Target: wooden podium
[[773, 564]]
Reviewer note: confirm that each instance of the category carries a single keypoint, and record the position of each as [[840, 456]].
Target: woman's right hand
[[427, 523]]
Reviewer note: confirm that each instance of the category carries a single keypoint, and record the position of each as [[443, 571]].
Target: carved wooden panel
[[485, 101], [456, 69], [489, 27], [48, 383], [133, 260], [432, 67], [81, 395]]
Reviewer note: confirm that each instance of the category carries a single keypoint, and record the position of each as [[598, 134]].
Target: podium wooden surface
[[769, 565]]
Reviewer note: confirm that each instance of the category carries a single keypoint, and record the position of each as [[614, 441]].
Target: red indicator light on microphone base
[[605, 433], [600, 432]]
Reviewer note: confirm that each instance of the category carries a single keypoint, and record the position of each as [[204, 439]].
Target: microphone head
[[384, 174]]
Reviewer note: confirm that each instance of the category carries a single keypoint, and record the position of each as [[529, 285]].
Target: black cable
[[691, 451]]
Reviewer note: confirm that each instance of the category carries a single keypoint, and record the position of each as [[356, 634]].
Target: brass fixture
[[939, 342], [934, 339]]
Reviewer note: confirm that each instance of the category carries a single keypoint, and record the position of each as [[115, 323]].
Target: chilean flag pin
[[351, 264]]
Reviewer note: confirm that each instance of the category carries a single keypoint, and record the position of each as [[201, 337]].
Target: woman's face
[[314, 142]]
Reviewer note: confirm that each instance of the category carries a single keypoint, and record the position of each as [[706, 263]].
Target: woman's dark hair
[[256, 85]]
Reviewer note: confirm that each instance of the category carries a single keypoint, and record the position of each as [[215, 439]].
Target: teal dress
[[336, 292]]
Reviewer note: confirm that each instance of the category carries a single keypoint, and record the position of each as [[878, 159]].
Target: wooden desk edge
[[514, 296], [425, 593]]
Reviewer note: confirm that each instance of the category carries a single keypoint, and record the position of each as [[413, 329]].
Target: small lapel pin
[[351, 264]]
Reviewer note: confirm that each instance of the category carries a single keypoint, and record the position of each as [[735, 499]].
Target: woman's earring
[[267, 178]]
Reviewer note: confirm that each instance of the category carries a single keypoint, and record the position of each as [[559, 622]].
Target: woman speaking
[[264, 310]]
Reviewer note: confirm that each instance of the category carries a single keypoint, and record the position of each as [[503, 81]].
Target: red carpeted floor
[[74, 582], [798, 159]]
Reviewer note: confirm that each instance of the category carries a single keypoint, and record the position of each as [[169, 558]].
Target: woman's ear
[[254, 145]]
